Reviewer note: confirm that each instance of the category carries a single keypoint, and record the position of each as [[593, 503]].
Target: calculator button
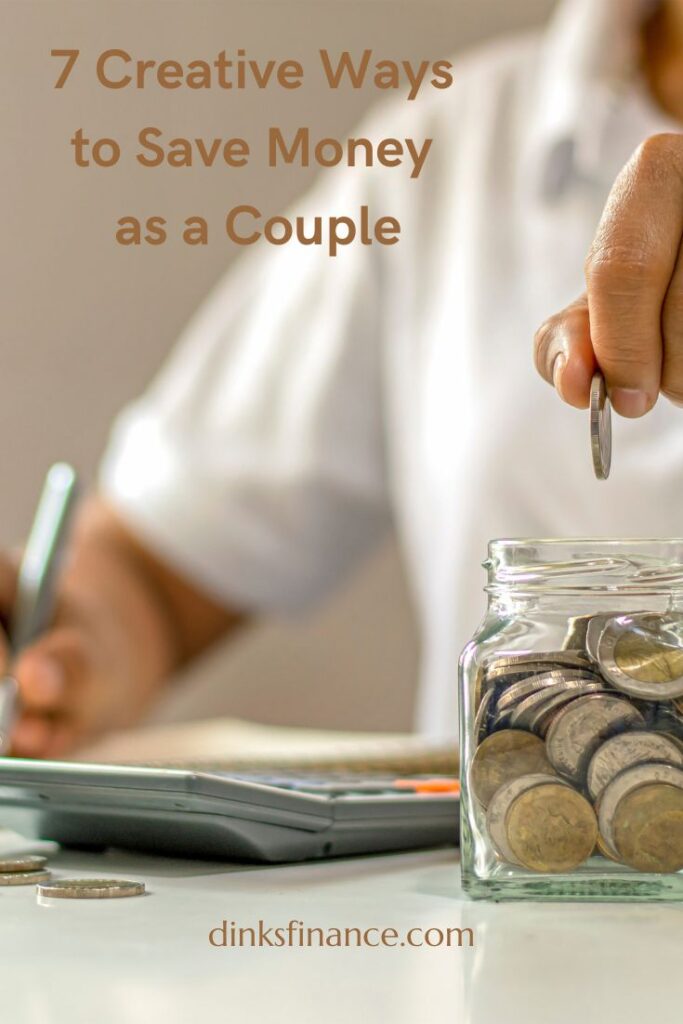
[[444, 785]]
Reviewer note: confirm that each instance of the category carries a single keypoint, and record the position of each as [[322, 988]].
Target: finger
[[61, 739], [629, 268], [31, 736], [563, 353], [52, 670], [672, 330]]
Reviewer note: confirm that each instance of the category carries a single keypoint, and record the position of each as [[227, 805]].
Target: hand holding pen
[[36, 582]]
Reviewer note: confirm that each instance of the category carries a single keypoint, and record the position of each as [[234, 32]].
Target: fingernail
[[558, 369], [629, 402]]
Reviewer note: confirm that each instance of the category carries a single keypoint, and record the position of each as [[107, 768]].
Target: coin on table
[[23, 877], [502, 800], [601, 427], [90, 888], [627, 782], [551, 828], [579, 728], [624, 751], [648, 828], [24, 862], [642, 655], [504, 756]]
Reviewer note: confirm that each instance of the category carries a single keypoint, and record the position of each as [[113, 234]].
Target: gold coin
[[551, 828], [504, 756], [22, 862], [648, 828], [648, 660], [603, 849], [90, 888], [23, 877]]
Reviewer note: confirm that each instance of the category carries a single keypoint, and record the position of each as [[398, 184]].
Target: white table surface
[[146, 960]]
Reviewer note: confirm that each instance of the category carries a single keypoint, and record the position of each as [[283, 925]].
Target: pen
[[35, 593]]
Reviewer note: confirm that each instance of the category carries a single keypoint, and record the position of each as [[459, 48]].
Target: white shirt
[[314, 402]]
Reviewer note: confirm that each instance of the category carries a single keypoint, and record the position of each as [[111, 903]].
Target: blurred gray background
[[85, 322]]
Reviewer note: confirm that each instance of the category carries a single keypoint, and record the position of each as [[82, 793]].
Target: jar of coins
[[571, 698]]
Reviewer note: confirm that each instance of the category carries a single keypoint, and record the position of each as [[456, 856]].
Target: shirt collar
[[589, 61]]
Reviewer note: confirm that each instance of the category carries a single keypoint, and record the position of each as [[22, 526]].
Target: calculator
[[271, 816]]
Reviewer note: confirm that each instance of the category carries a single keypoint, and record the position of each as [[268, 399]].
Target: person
[[316, 402]]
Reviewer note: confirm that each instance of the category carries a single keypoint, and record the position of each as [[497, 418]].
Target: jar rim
[[581, 564], [511, 542]]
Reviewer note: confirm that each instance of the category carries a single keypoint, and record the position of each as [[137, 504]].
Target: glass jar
[[571, 699]]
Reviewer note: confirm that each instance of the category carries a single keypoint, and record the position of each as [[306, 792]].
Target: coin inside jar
[[546, 713], [504, 756], [502, 800], [511, 695], [575, 638], [536, 707], [523, 665], [481, 716], [579, 728], [594, 631], [625, 750], [648, 828], [642, 655], [551, 828], [627, 782], [600, 427]]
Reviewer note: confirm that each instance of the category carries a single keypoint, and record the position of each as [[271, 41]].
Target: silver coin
[[26, 862], [580, 728], [501, 717], [516, 692], [642, 655], [538, 661], [624, 751], [594, 631], [575, 638], [481, 717], [565, 689], [90, 888], [601, 427], [625, 782], [23, 877], [541, 717], [501, 802]]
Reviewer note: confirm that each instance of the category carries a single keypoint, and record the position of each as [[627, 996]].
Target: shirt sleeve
[[255, 462]]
